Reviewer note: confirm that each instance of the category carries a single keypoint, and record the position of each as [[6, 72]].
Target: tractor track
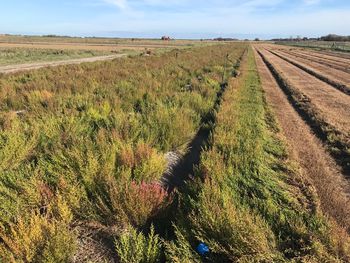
[[181, 169]]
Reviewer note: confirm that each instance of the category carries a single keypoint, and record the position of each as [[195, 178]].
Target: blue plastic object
[[202, 249]]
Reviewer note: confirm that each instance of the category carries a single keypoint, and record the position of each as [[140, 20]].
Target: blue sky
[[177, 18]]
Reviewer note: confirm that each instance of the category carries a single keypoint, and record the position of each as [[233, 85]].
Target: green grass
[[11, 56]]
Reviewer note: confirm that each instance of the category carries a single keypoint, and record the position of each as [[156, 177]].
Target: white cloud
[[198, 18], [119, 3], [311, 2]]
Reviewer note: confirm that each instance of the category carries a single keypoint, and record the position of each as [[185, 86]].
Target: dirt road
[[30, 66]]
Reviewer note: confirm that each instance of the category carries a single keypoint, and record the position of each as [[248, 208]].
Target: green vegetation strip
[[250, 204]]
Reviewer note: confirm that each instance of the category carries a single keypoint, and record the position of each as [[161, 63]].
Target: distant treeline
[[225, 39], [330, 37]]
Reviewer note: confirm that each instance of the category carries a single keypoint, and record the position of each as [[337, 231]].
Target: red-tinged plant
[[144, 200]]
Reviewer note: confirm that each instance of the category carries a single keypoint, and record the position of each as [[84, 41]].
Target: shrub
[[15, 146], [143, 201], [230, 230], [39, 238], [134, 247], [96, 135], [180, 250]]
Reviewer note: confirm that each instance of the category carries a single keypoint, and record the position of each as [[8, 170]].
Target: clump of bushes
[[35, 237], [143, 201], [90, 144], [133, 246]]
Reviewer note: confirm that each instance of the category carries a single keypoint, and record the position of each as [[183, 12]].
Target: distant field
[[28, 49], [337, 46], [94, 40], [104, 44], [10, 56]]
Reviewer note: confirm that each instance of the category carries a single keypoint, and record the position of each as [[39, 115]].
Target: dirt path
[[331, 103], [316, 164], [30, 66]]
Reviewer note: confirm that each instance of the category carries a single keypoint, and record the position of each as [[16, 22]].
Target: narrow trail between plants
[[182, 170], [38, 65], [317, 166]]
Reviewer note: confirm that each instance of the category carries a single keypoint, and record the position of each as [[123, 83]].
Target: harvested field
[[317, 166], [331, 46], [342, 55], [97, 44], [327, 56], [81, 46], [337, 78], [333, 62], [326, 108], [94, 40]]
